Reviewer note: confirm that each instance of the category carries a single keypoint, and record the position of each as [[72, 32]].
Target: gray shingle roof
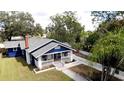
[[13, 44], [37, 46], [43, 50], [35, 43]]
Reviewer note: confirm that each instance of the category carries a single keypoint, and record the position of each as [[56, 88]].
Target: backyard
[[17, 69]]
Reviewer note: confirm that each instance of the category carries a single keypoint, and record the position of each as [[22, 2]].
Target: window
[[65, 53], [44, 58], [14, 49], [49, 57]]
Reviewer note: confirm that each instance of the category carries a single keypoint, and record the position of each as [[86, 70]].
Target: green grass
[[17, 69]]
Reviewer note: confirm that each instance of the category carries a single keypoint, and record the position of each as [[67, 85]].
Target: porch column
[[61, 56], [39, 63], [71, 55]]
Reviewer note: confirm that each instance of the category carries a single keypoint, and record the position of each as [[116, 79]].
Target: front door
[[57, 57]]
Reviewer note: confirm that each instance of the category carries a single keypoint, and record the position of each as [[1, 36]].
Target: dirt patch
[[66, 62], [90, 73]]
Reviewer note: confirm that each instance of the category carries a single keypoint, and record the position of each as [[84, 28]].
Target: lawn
[[89, 73], [17, 69]]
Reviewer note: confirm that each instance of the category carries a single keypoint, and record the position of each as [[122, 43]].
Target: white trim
[[37, 72], [57, 52], [27, 58], [66, 57], [63, 44], [48, 61], [39, 63], [61, 56], [71, 56]]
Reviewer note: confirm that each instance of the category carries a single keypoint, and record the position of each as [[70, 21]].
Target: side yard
[[89, 73], [17, 69]]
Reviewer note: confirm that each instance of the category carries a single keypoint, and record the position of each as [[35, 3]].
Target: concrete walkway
[[69, 65], [65, 69], [73, 75], [96, 66]]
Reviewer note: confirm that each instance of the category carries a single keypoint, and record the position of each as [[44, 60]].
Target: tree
[[38, 30], [109, 51], [102, 16], [90, 41], [65, 27], [109, 21], [16, 23], [110, 26]]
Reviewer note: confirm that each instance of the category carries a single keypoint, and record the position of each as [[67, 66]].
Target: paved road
[[96, 66]]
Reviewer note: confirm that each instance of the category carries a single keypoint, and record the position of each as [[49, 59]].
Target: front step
[[58, 65]]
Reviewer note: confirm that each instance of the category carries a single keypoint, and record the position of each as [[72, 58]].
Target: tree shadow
[[24, 63]]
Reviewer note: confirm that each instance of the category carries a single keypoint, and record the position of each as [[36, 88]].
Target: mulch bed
[[90, 73], [68, 62]]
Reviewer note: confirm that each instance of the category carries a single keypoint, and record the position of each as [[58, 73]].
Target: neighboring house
[[39, 51]]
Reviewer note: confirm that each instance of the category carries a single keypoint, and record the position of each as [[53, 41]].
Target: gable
[[44, 49], [58, 48], [49, 48]]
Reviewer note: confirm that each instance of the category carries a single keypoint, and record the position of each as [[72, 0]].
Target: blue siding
[[58, 50], [12, 53]]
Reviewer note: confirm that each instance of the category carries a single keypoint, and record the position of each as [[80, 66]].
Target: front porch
[[53, 58]]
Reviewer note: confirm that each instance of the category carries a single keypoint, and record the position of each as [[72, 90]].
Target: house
[[39, 51]]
